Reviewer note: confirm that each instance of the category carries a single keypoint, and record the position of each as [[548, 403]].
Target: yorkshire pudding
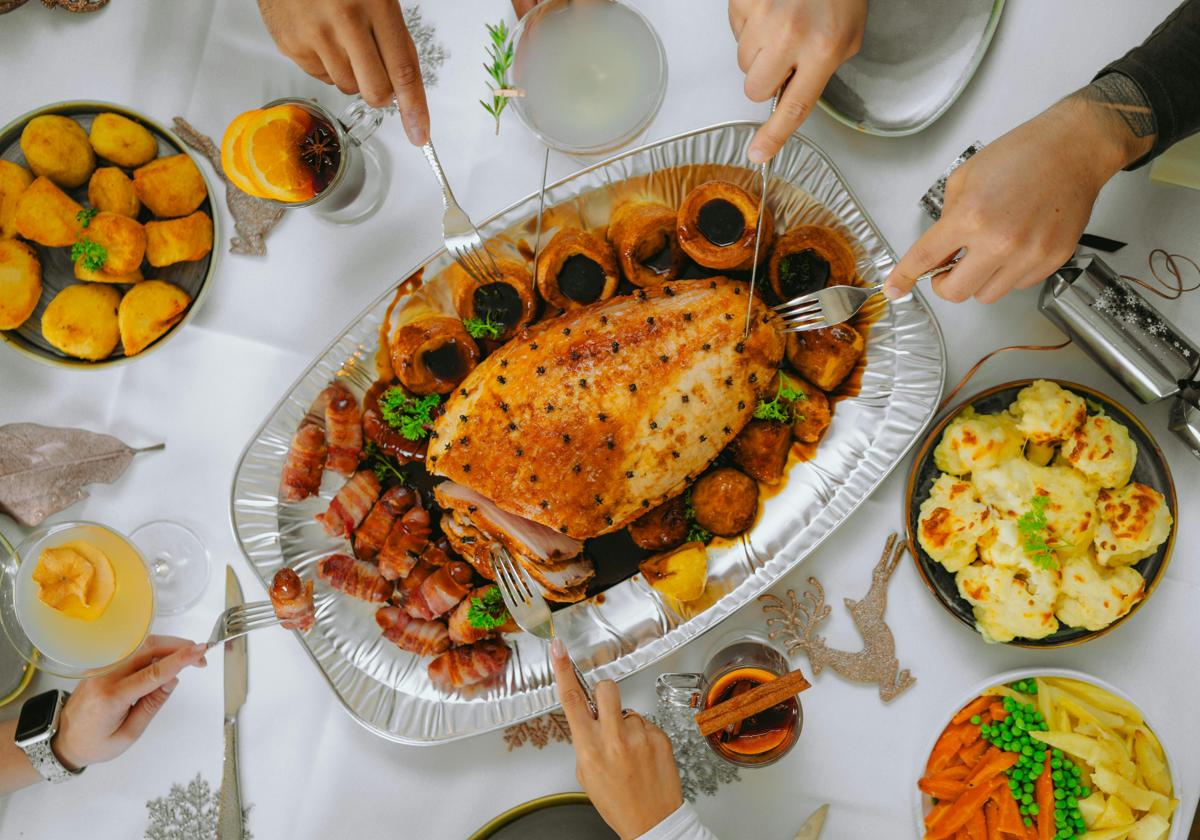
[[809, 258], [716, 226], [433, 355], [498, 309], [576, 268], [644, 236]]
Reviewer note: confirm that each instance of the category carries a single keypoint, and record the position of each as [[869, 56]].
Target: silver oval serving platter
[[628, 626], [917, 57]]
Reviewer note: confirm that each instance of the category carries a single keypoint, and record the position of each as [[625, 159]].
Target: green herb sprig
[[500, 59], [782, 408], [488, 612], [383, 466], [410, 416], [84, 217], [483, 328], [93, 253], [696, 532], [1034, 532]]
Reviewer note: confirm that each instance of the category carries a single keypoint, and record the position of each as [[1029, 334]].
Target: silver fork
[[461, 236], [240, 620], [529, 609], [836, 304]]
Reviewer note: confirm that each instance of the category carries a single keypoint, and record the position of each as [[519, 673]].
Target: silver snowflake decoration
[[430, 53], [700, 769], [186, 813]]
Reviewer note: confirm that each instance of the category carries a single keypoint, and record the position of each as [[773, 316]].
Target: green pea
[[976, 720]]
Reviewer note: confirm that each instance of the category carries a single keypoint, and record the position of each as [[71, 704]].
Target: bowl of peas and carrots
[[1046, 754]]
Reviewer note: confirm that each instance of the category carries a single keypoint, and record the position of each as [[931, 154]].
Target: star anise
[[319, 148]]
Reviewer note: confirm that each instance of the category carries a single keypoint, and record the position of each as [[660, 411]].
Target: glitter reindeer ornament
[[795, 622]]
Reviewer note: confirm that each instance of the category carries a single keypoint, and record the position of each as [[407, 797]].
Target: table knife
[[811, 829], [764, 174], [230, 825]]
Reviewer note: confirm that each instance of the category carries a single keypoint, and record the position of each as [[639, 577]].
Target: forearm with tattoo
[[1121, 100]]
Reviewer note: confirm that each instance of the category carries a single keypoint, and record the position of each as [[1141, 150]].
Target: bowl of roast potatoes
[[106, 234]]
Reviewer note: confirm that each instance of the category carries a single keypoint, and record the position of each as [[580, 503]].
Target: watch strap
[[42, 757]]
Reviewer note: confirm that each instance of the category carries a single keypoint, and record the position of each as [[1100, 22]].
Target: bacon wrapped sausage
[[354, 577], [292, 599], [412, 581], [462, 632], [416, 635], [350, 504], [405, 542], [343, 431], [440, 592], [304, 465], [386, 439], [469, 665], [374, 530]]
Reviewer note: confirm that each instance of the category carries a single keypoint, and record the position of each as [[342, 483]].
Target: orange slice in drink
[[233, 160], [271, 146]]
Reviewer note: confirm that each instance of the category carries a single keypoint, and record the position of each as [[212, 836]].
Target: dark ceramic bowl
[[1151, 469]]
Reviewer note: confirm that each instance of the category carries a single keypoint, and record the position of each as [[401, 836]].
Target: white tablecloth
[[308, 770]]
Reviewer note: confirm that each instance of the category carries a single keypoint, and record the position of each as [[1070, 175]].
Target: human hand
[[625, 764], [106, 714], [805, 39], [523, 6], [1020, 204], [362, 46]]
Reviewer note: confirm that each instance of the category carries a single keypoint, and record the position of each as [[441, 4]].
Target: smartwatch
[[36, 728]]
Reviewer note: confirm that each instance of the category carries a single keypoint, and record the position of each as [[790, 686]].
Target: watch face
[[36, 715]]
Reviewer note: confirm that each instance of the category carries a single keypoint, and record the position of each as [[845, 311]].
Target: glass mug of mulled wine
[[739, 662], [294, 153]]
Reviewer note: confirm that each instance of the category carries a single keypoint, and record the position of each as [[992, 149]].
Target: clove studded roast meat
[[583, 422]]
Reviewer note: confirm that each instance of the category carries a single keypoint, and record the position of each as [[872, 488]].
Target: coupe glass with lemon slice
[[294, 153], [77, 598]]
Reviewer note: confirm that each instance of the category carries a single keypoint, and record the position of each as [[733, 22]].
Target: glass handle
[[360, 120], [680, 690]]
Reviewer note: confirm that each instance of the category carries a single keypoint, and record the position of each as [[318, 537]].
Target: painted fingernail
[[558, 649], [418, 135], [757, 155], [168, 687]]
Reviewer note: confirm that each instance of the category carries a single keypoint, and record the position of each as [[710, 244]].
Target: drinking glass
[[740, 657], [592, 74], [161, 569], [359, 184]]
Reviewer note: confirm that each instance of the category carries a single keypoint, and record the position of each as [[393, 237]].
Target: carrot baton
[[977, 826], [1044, 792], [962, 809], [993, 763], [940, 787], [975, 707], [1010, 818]]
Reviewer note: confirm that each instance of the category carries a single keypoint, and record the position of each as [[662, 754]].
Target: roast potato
[[826, 356], [680, 574], [47, 215], [170, 186], [660, 528], [122, 141], [147, 311], [725, 501], [82, 272], [13, 181], [57, 148], [111, 191], [20, 283], [761, 449], [179, 240], [812, 415], [123, 239], [81, 321]]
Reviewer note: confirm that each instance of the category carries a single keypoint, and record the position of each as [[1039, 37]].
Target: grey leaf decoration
[[43, 470]]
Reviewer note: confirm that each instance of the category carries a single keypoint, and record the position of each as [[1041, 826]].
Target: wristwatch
[[36, 728]]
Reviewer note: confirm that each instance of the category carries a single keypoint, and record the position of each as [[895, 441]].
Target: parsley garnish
[[410, 416], [84, 217], [696, 533], [485, 328], [781, 408], [383, 466], [93, 253], [500, 58], [1034, 530], [488, 612]]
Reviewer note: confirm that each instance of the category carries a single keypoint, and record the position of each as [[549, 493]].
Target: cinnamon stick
[[760, 698]]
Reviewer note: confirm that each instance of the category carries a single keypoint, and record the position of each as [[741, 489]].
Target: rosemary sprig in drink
[[500, 58]]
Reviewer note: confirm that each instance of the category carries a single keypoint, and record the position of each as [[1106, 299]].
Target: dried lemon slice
[[63, 576]]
